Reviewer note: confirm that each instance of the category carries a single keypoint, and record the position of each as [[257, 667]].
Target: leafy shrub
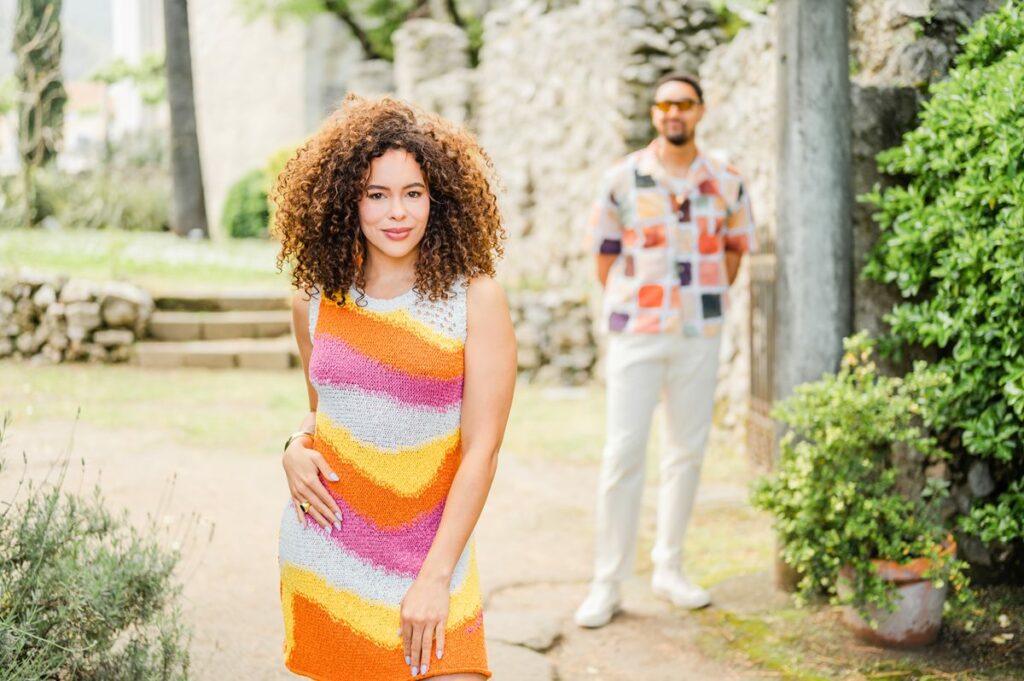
[[83, 595], [246, 215], [834, 493], [952, 242], [132, 199]]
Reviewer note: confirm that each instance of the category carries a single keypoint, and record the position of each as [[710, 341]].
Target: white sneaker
[[600, 605], [674, 586]]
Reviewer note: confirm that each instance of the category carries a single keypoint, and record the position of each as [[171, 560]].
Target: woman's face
[[395, 205]]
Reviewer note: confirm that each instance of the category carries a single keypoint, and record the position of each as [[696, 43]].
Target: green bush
[[83, 595], [952, 242], [834, 494], [246, 214], [132, 199]]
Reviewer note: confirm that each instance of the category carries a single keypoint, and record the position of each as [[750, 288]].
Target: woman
[[388, 218]]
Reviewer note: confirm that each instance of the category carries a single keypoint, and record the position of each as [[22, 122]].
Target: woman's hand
[[424, 615], [301, 466]]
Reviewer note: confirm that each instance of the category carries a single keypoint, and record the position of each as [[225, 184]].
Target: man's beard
[[679, 139]]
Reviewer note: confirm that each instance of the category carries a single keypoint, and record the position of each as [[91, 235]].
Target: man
[[669, 228]]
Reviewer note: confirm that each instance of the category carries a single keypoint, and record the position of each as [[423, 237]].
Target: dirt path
[[534, 545]]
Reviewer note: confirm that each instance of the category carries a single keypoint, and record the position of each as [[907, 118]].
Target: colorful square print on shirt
[[686, 237], [650, 205], [711, 304], [651, 265], [673, 231], [685, 272], [652, 295], [654, 236], [647, 323], [711, 273]]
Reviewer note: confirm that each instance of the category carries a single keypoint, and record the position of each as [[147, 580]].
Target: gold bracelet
[[294, 436]]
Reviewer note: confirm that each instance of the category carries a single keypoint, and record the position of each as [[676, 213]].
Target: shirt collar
[[650, 164]]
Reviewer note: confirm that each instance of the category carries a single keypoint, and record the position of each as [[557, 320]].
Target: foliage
[[1002, 521], [149, 76], [834, 493], [275, 166], [125, 199], [952, 242], [371, 21], [246, 214], [85, 596], [735, 15]]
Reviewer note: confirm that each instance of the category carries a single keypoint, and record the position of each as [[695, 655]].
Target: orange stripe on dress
[[325, 648], [386, 508], [390, 343]]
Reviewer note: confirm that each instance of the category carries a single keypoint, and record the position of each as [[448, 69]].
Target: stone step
[[222, 301], [239, 353], [187, 326]]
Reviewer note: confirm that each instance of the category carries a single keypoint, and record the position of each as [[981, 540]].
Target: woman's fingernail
[[333, 477], [425, 669], [408, 660], [415, 671], [338, 513], [439, 653], [337, 525]]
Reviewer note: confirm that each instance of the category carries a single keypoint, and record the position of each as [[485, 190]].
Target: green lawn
[[154, 261]]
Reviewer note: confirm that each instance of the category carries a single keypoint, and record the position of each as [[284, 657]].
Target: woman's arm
[[302, 464], [490, 376]]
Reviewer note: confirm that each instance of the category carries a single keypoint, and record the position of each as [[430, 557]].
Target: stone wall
[[553, 332], [563, 93], [51, 319], [432, 67]]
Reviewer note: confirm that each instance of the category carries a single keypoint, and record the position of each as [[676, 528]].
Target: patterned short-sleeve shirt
[[670, 235]]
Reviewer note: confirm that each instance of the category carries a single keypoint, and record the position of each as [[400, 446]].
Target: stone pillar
[[814, 247]]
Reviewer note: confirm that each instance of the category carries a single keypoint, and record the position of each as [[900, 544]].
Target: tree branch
[[340, 9], [453, 9]]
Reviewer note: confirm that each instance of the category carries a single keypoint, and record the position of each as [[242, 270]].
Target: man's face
[[678, 124]]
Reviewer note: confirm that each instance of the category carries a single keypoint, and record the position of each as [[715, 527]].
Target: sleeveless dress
[[388, 375]]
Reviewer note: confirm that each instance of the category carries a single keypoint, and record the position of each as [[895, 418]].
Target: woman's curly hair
[[317, 196]]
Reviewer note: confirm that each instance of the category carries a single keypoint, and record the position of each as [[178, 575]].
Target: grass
[[807, 644], [154, 261]]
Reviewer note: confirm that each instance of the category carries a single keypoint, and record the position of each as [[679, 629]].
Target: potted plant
[[847, 519]]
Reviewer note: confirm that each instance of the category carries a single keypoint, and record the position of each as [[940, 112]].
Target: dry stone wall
[[563, 93], [432, 67], [51, 319]]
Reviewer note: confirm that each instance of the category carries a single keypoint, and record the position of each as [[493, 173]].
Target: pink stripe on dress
[[400, 551], [348, 367]]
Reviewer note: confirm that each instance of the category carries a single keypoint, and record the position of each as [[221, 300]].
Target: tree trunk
[[188, 210]]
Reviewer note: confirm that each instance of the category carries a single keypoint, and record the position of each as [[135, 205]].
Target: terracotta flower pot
[[918, 615]]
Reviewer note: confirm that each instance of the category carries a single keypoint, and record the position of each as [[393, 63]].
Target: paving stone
[[535, 629], [515, 663]]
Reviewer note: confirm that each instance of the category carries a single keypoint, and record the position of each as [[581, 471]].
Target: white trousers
[[639, 369]]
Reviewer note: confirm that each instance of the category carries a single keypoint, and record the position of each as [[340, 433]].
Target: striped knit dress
[[388, 375]]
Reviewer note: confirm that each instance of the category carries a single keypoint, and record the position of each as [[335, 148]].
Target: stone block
[[109, 338], [82, 315], [77, 291]]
